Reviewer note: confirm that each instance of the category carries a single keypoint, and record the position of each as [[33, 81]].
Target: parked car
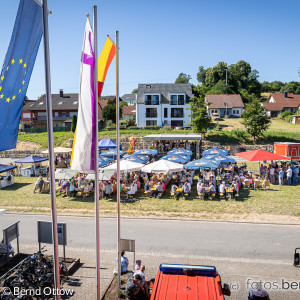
[[233, 116], [215, 116]]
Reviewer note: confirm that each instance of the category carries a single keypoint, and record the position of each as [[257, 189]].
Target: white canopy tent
[[125, 165], [162, 166], [64, 173], [103, 174], [59, 150]]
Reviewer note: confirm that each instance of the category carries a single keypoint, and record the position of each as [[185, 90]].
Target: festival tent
[[112, 153], [142, 159], [162, 166], [31, 159], [103, 175], [102, 163], [125, 165], [180, 151], [215, 151], [260, 155], [221, 158], [180, 159], [201, 163], [145, 152], [59, 150], [105, 158], [64, 173], [5, 168], [107, 144]]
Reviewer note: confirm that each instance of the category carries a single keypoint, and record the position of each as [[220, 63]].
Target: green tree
[[109, 113], [255, 119], [183, 78], [201, 75], [74, 123], [134, 91], [199, 118]]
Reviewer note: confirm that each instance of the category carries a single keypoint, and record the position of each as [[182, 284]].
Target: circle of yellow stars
[[12, 63]]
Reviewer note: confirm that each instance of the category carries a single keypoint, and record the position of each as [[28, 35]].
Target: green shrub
[[284, 115]]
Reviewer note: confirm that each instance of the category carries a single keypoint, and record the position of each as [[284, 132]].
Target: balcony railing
[[151, 115], [151, 102]]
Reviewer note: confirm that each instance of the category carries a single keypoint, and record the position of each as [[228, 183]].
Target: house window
[[148, 86], [56, 114], [152, 99], [235, 111], [165, 122], [177, 99], [63, 114], [26, 115], [176, 112], [151, 122], [214, 111], [165, 112], [42, 114], [151, 112], [177, 123]]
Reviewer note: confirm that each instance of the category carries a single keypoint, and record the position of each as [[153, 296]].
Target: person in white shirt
[[272, 174], [222, 188], [289, 174]]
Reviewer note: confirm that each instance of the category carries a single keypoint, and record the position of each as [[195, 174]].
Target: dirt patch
[[27, 146], [113, 291]]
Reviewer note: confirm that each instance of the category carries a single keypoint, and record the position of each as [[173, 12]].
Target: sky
[[161, 38]]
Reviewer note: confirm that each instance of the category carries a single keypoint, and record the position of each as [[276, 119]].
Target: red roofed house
[[129, 112], [230, 105], [64, 106], [278, 103]]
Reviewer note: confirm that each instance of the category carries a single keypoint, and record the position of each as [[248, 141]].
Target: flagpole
[[118, 158], [96, 193], [51, 150]]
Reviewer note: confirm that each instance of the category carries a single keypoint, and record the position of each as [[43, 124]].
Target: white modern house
[[163, 104]]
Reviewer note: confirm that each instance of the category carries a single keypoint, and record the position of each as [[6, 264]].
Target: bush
[[284, 115], [154, 127]]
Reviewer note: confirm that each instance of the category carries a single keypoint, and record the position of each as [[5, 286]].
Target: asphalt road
[[199, 238]]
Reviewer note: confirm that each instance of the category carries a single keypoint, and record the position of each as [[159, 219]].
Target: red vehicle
[[192, 282], [291, 150]]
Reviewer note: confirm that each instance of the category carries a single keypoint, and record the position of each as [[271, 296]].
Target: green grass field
[[232, 132], [279, 202]]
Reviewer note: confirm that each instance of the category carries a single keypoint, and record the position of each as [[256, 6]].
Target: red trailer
[[291, 150]]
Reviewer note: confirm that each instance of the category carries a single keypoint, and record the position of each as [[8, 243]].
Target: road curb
[[160, 219]]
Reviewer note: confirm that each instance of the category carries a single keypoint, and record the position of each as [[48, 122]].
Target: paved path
[[241, 252]]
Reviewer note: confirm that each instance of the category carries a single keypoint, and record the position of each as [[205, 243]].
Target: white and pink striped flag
[[83, 153]]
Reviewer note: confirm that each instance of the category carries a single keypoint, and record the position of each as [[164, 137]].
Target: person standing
[[289, 174], [124, 263], [281, 176]]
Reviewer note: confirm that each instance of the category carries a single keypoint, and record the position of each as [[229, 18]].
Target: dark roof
[[164, 89], [129, 97], [68, 102], [218, 101], [291, 101], [129, 110]]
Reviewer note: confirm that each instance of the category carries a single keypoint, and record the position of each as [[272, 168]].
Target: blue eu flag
[[17, 68]]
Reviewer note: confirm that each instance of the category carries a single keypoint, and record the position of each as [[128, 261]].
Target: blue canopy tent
[[5, 168], [201, 163], [31, 159], [180, 151], [112, 153], [107, 144], [220, 158], [215, 151], [142, 159], [145, 152], [181, 159]]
